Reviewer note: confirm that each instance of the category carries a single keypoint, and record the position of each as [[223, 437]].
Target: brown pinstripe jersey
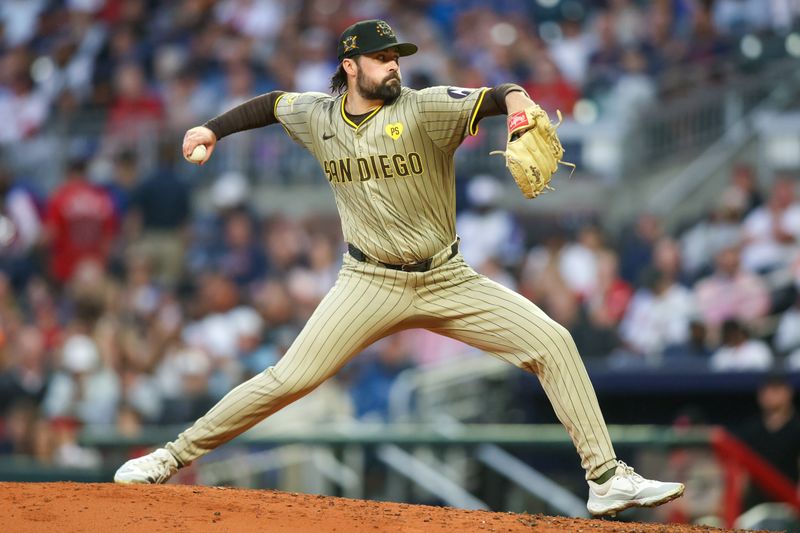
[[393, 176]]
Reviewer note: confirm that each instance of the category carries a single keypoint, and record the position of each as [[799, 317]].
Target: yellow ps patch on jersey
[[394, 130]]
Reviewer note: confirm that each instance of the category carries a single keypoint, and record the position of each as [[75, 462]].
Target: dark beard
[[381, 91]]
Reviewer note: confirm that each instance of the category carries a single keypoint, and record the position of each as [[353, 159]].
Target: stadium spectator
[[610, 299], [633, 91], [29, 373], [82, 388], [606, 59], [42, 309], [706, 46], [772, 230], [135, 109], [745, 181], [667, 260], [23, 108], [716, 231], [493, 269], [161, 206], [80, 225], [774, 434], [658, 315], [308, 284], [241, 258], [183, 379], [124, 178], [66, 451], [571, 51], [548, 88], [486, 230], [229, 194], [71, 65], [734, 16], [695, 348], [665, 46], [636, 247], [594, 339], [141, 294], [19, 20], [541, 266], [286, 242], [274, 304], [313, 71], [253, 353], [731, 293], [579, 261], [20, 228], [739, 351], [787, 334], [16, 430], [187, 100], [375, 374], [257, 19]]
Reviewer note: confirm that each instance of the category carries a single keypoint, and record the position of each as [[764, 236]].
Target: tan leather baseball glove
[[533, 150]]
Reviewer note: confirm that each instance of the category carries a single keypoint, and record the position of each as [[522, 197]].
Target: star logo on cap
[[350, 43], [384, 30]]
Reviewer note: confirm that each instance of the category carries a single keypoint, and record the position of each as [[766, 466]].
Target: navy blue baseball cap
[[370, 36]]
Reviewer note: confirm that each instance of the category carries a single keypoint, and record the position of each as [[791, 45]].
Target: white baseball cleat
[[628, 489], [155, 467]]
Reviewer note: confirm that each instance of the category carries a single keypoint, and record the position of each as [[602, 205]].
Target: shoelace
[[166, 462], [164, 465], [152, 460], [628, 470]]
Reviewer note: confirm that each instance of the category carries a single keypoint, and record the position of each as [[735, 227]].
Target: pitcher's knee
[[543, 345], [289, 384], [560, 336]]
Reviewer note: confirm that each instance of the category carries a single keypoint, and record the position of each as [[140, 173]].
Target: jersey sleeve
[[295, 113], [448, 114]]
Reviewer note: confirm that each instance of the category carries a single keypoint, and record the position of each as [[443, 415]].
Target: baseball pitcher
[[387, 152]]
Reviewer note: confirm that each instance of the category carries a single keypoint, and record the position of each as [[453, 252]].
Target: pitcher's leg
[[356, 312], [486, 315]]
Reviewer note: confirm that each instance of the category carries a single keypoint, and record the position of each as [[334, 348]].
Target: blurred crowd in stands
[[124, 303], [129, 66]]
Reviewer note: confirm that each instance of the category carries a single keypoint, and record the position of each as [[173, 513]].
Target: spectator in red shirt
[[80, 223], [550, 89], [135, 109]]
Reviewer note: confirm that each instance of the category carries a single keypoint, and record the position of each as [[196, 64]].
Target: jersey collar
[[353, 124]]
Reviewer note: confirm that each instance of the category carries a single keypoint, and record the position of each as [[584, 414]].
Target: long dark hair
[[339, 80]]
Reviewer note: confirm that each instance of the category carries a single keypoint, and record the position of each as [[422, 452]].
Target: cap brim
[[404, 49]]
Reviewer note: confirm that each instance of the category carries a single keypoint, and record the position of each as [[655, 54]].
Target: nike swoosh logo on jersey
[[326, 136]]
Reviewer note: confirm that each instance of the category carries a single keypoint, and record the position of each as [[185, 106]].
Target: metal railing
[[738, 132], [457, 387], [521, 436], [692, 122]]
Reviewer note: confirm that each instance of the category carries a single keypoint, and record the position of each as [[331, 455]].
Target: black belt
[[421, 266]]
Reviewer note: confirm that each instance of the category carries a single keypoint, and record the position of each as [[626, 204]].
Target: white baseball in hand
[[198, 154]]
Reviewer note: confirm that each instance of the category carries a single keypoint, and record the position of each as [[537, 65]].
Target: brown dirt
[[79, 507]]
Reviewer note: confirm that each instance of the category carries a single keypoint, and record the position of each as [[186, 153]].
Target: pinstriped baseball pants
[[370, 302]]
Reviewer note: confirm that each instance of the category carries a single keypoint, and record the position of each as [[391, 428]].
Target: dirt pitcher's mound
[[79, 507]]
